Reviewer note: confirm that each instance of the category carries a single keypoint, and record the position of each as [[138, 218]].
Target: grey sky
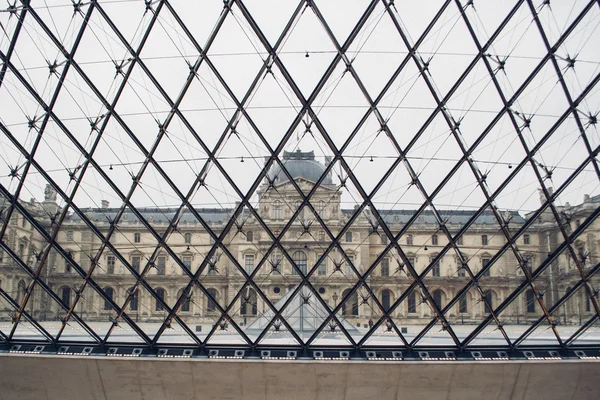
[[237, 54]]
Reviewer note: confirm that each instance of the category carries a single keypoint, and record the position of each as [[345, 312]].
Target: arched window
[[386, 299], [462, 304], [21, 291], [65, 295], [412, 303], [211, 306], [133, 301], [110, 293], [185, 307], [188, 238], [160, 293], [438, 298], [350, 306], [529, 298], [299, 258], [248, 302]]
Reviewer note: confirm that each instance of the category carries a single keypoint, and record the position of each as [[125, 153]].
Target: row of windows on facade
[[300, 260], [248, 300], [349, 308], [137, 238]]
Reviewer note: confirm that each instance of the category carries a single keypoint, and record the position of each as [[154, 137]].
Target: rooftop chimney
[[105, 203]]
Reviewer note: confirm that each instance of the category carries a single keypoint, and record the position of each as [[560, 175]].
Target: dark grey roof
[[157, 215], [220, 215], [299, 165], [452, 216]]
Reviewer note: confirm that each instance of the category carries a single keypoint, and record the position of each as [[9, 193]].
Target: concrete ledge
[[82, 378]]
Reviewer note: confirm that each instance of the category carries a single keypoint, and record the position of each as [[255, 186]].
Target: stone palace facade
[[248, 246]]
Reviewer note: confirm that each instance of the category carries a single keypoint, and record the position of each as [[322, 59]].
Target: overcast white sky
[[307, 51]]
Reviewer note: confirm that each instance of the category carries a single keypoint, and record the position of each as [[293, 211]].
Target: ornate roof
[[299, 164]]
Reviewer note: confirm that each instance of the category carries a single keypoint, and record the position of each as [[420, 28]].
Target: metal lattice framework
[[454, 108]]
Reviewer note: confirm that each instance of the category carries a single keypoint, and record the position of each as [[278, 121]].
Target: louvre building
[[147, 273]]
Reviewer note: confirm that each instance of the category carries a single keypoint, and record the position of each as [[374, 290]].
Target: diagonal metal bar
[[48, 110]]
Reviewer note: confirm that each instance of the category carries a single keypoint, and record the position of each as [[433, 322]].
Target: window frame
[[348, 237], [249, 256], [161, 265], [161, 293]]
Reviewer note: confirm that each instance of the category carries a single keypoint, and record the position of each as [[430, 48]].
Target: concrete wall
[[82, 378]]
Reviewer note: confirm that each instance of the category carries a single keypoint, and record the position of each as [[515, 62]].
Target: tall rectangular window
[[434, 240], [412, 261], [385, 267], [435, 271], [187, 261], [67, 261], [529, 264], [384, 239], [348, 268], [249, 263], [484, 240], [249, 236], [409, 239], [110, 292], [461, 269], [349, 237], [69, 236], [526, 239], [110, 264], [412, 303], [322, 269], [137, 237], [462, 305], [135, 263], [161, 265], [484, 262], [66, 296], [277, 210]]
